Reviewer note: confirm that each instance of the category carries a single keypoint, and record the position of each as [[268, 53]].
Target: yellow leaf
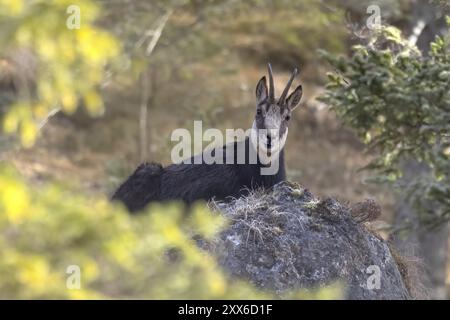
[[15, 200], [35, 273], [94, 103], [14, 7], [69, 101], [216, 283], [28, 133], [10, 122]]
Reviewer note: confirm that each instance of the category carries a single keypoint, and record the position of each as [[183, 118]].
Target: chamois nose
[[269, 141]]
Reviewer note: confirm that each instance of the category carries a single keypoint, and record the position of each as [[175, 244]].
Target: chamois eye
[[288, 117], [258, 111]]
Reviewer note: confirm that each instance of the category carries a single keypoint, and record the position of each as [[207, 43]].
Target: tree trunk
[[434, 250], [429, 245]]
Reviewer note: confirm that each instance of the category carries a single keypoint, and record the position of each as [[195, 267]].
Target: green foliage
[[45, 230], [398, 101], [66, 65]]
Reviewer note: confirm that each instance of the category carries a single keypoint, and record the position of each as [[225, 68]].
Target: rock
[[287, 239]]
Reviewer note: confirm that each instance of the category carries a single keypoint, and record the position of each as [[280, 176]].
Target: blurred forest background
[[81, 108]]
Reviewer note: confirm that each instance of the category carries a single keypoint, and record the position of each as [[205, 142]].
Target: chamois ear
[[261, 90], [294, 98]]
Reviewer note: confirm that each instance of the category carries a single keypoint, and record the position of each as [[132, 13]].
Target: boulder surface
[[286, 239]]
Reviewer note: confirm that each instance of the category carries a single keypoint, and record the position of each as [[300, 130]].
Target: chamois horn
[[288, 86], [271, 86]]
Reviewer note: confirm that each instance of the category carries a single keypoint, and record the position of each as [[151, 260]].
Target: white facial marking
[[272, 120], [258, 137]]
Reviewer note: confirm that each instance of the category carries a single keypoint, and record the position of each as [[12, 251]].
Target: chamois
[[188, 181]]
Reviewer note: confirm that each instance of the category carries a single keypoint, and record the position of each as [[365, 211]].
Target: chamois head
[[270, 127]]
